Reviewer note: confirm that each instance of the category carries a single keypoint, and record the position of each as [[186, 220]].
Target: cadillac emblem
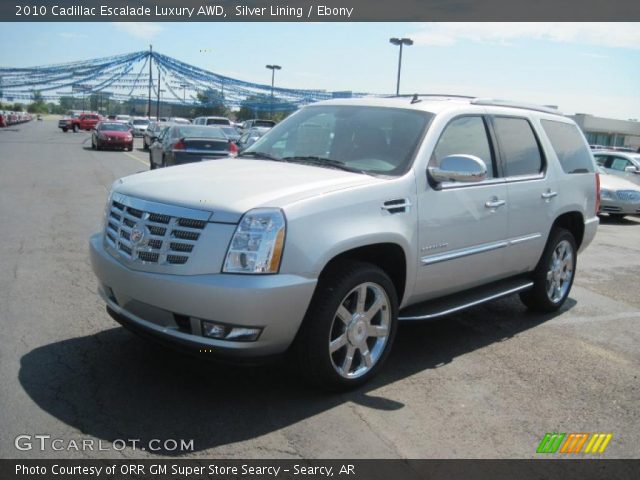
[[137, 234]]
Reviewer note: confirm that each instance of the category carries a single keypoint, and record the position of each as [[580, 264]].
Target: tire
[[130, 148], [617, 216], [98, 146], [144, 145], [556, 268], [75, 128], [163, 163], [337, 346], [93, 145], [65, 130]]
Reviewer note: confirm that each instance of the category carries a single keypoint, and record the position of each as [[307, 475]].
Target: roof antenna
[[415, 99]]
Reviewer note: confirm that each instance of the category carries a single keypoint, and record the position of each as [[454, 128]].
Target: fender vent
[[399, 205]]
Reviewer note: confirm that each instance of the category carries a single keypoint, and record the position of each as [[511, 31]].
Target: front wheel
[[349, 328], [553, 277]]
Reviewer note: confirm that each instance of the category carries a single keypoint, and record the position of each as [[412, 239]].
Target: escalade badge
[[137, 234]]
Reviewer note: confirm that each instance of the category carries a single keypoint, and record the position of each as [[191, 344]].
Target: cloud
[[617, 35], [72, 35], [144, 30]]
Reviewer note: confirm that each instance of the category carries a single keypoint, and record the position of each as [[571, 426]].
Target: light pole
[[184, 92], [400, 42], [273, 69]]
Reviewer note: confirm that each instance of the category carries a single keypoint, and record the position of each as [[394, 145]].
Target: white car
[[618, 196], [621, 164]]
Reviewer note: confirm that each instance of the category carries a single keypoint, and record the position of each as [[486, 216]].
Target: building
[[608, 131]]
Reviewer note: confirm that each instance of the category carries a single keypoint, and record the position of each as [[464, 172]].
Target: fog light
[[226, 332]]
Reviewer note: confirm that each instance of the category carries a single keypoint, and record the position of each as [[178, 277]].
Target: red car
[[112, 135]]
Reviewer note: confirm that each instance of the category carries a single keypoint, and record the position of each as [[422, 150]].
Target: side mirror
[[459, 168], [631, 169]]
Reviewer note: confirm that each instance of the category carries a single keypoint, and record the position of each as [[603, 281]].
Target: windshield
[[217, 121], [375, 140], [199, 132], [114, 127]]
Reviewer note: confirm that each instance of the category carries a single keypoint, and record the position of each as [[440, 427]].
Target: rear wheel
[[349, 328], [553, 277], [93, 144], [75, 128]]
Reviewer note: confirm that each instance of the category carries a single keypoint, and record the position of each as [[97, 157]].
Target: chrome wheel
[[360, 330], [560, 271]]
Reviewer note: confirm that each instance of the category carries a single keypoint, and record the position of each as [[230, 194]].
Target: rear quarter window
[[569, 145]]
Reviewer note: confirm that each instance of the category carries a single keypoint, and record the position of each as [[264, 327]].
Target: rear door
[[532, 192]]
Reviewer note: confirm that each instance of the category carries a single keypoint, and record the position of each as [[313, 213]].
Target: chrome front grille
[[628, 195], [143, 232]]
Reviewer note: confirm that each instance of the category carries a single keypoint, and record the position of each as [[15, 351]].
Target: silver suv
[[345, 219]]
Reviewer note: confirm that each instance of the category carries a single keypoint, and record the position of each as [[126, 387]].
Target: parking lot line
[[136, 158]]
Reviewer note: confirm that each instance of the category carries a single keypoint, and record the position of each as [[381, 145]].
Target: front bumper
[[620, 207], [170, 307]]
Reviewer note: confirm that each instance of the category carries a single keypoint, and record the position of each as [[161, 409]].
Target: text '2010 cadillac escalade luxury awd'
[[346, 218]]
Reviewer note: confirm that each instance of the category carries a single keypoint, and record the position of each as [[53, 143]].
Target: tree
[[211, 103], [38, 105]]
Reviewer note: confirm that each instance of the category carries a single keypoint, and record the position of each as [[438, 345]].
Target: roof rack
[[508, 103], [443, 95]]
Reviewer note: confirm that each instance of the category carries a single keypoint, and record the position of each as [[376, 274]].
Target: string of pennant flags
[[135, 75]]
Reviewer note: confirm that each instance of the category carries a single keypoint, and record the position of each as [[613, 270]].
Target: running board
[[460, 301]]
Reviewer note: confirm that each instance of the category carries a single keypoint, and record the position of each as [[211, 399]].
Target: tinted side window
[[620, 164], [464, 135], [518, 146], [569, 146]]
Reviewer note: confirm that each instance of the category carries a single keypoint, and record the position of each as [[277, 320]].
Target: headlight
[[257, 244], [604, 193]]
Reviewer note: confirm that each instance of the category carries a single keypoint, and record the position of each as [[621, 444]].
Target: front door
[[462, 226]]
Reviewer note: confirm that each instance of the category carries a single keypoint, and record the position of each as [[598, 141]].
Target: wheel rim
[[560, 272], [360, 330]]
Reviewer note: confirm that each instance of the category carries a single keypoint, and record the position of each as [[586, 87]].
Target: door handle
[[549, 194], [494, 203]]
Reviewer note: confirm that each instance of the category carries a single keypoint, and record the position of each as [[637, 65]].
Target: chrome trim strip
[[487, 247], [161, 208], [526, 238], [464, 306], [464, 252]]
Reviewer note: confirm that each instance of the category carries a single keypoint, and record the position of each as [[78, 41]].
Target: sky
[[580, 67]]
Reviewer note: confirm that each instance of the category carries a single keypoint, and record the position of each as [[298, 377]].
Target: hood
[[613, 182], [230, 187]]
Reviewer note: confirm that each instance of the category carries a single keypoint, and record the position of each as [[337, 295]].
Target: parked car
[[618, 197], [621, 164], [178, 144], [139, 126], [179, 120], [256, 122], [249, 137], [212, 121], [112, 135], [317, 241], [84, 121], [152, 132], [123, 118]]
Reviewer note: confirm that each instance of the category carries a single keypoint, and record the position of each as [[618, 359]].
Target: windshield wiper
[[263, 155], [323, 162]]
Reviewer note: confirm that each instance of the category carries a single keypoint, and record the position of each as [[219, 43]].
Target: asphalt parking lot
[[485, 383]]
